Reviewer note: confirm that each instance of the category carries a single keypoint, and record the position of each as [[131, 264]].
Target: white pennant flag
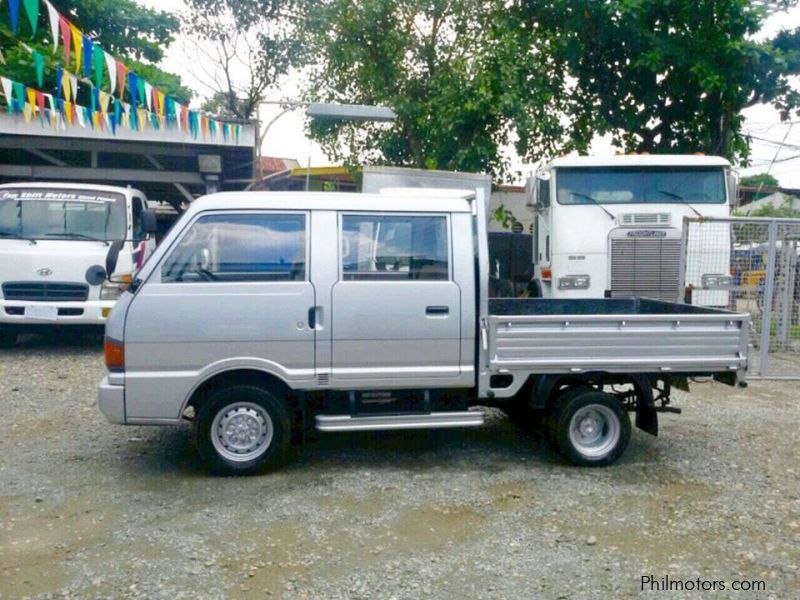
[[111, 64], [148, 95], [79, 114], [73, 81], [52, 13], [8, 88]]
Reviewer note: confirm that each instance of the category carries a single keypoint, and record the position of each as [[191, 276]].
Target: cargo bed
[[616, 336]]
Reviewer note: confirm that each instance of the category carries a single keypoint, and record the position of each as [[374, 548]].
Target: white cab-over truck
[[51, 234], [265, 311], [614, 227]]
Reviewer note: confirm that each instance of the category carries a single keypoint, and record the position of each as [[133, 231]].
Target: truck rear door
[[396, 310]]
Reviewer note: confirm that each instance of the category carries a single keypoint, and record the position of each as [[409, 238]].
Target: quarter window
[[389, 248], [245, 247]]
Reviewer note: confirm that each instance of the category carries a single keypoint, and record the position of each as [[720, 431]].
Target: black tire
[[608, 427], [8, 337], [260, 411]]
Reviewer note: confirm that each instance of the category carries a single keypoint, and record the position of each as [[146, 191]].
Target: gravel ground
[[88, 509]]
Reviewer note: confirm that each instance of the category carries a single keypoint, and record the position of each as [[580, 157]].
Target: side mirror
[[149, 221], [113, 256], [95, 275]]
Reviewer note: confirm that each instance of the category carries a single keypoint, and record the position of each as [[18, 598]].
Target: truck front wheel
[[243, 429], [590, 428]]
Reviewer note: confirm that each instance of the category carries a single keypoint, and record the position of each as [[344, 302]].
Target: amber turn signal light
[[115, 355], [547, 274]]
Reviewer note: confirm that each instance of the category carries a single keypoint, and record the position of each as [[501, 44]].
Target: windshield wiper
[[77, 236], [595, 202], [17, 236], [682, 200]]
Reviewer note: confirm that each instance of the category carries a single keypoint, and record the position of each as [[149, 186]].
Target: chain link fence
[[750, 265]]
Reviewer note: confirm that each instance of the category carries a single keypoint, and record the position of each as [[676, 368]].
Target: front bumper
[[111, 401], [91, 312]]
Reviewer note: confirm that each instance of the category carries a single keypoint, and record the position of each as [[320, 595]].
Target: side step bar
[[415, 421]]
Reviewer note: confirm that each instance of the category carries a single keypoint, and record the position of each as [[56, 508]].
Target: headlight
[[110, 291], [574, 282], [113, 290]]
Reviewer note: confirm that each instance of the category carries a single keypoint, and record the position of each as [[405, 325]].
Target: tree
[[134, 34], [450, 70], [760, 180], [673, 75], [245, 48]]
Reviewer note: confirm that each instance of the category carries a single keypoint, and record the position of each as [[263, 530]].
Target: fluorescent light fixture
[[350, 112]]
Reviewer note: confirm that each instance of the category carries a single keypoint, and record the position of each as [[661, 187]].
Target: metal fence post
[[682, 266], [769, 289]]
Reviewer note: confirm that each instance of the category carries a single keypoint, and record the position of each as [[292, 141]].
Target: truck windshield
[[654, 185], [49, 214]]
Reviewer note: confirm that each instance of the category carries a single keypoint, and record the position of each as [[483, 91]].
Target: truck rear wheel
[[590, 428], [243, 429]]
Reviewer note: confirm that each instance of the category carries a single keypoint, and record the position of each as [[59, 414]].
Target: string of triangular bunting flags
[[149, 107]]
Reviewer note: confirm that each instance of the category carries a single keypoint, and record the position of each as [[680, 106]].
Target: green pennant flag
[[19, 92], [32, 8], [38, 61], [99, 65], [140, 85]]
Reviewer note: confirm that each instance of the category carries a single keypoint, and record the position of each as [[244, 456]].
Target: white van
[[51, 235]]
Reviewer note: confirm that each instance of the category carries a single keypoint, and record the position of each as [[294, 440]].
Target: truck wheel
[[591, 428], [243, 429], [8, 337]]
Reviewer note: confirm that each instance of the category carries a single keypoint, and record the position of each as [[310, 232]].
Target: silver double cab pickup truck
[[261, 314]]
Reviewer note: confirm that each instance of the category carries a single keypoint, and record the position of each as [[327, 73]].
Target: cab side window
[[238, 248], [394, 248], [137, 207]]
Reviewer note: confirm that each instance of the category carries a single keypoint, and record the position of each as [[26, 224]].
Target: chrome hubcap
[[242, 431], [594, 430]]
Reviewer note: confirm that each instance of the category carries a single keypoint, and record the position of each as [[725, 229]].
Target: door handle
[[312, 318], [434, 311]]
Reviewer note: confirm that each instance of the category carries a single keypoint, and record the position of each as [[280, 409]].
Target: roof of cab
[[68, 185], [641, 160], [422, 200]]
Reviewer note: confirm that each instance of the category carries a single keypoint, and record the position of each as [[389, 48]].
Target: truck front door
[[396, 310]]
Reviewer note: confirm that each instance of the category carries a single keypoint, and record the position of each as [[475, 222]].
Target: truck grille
[[645, 267], [644, 220], [45, 292]]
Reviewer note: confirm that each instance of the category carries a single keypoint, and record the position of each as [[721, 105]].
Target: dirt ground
[[88, 509]]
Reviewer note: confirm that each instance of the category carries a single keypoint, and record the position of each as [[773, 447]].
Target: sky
[[777, 150]]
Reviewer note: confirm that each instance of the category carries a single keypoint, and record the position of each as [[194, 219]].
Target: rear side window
[[394, 248], [247, 247]]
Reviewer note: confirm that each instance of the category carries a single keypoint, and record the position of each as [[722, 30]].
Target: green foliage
[[136, 35], [672, 75], [760, 180], [784, 211], [450, 70], [504, 217]]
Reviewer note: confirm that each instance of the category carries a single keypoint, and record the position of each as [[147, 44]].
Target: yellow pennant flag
[[66, 85], [68, 112], [96, 119], [27, 112], [77, 44], [32, 99], [104, 100], [142, 117], [161, 98]]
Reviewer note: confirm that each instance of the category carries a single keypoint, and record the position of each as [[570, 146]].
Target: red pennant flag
[[66, 37], [122, 77], [40, 102]]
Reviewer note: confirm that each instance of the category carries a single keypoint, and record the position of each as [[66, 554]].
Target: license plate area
[[41, 313]]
